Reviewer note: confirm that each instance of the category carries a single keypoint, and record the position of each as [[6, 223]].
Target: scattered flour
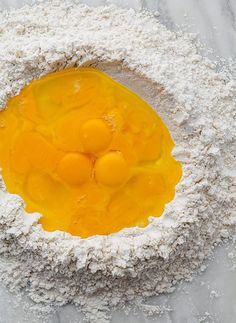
[[199, 106]]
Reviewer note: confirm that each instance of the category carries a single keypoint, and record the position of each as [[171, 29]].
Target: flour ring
[[156, 226], [190, 97]]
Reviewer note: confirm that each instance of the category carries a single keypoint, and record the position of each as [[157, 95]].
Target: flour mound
[[198, 105]]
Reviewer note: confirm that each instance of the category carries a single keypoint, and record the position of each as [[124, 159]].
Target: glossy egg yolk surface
[[87, 153]]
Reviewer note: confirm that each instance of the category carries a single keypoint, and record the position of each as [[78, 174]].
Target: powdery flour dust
[[198, 105]]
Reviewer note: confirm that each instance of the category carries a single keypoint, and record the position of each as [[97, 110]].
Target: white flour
[[199, 107]]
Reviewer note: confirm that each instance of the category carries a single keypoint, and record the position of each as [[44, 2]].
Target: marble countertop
[[211, 296]]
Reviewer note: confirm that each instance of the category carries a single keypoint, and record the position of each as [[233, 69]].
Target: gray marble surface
[[211, 296]]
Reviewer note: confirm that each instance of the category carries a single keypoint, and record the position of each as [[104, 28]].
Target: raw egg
[[87, 153]]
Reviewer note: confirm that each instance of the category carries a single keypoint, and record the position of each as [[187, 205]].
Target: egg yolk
[[87, 153]]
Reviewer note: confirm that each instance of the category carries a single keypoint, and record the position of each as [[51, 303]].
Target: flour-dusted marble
[[210, 297], [213, 20]]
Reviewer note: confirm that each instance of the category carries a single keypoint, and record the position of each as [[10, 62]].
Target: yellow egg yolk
[[87, 153]]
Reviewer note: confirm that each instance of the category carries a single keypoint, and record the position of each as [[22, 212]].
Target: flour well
[[199, 107]]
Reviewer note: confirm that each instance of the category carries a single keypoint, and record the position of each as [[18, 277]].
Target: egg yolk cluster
[[87, 153]]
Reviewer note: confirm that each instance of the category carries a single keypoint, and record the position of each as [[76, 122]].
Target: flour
[[102, 273]]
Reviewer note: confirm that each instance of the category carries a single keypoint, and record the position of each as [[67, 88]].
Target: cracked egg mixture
[[87, 153]]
